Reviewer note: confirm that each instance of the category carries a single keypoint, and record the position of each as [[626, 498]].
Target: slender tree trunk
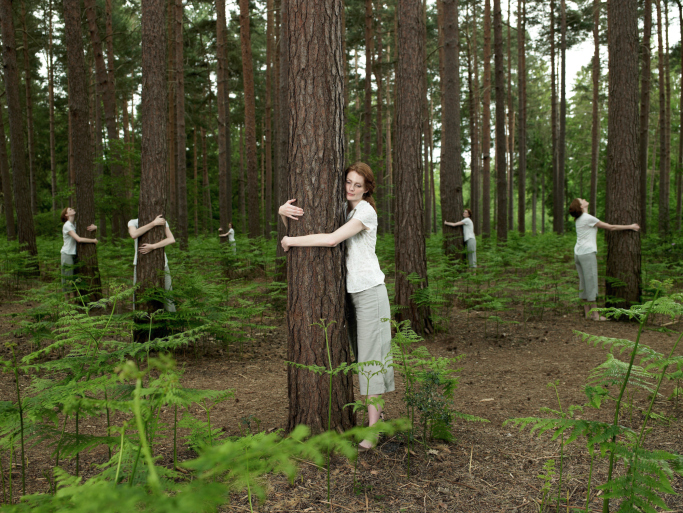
[[388, 177], [409, 232], [223, 128], [83, 157], [195, 166], [379, 165], [521, 80], [6, 182], [562, 146], [29, 113], [367, 112], [22, 195], [595, 134], [679, 167], [623, 173], [451, 173], [268, 212], [511, 122], [357, 139], [172, 125], [99, 174], [51, 100], [473, 94], [667, 124], [208, 207], [283, 129], [557, 202], [128, 139], [316, 177], [653, 175], [501, 185], [181, 144], [486, 125], [644, 105], [249, 121], [242, 198], [663, 190]]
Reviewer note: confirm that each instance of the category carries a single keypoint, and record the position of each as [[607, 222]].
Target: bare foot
[[600, 318]]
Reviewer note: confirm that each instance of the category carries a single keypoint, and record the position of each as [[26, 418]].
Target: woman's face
[[355, 186], [584, 203], [465, 214], [70, 212]]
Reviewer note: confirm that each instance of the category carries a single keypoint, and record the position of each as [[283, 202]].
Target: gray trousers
[[68, 266], [170, 306], [587, 266], [371, 339], [471, 245]]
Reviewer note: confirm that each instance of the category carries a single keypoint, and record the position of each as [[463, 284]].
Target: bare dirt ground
[[489, 468]]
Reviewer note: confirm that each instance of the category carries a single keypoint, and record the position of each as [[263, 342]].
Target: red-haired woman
[[71, 238], [586, 250], [370, 337], [468, 236]]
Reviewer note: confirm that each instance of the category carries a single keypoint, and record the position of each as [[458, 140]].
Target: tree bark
[[451, 172], [473, 85], [521, 80], [367, 112], [379, 162], [242, 193], [249, 121], [663, 189], [22, 195], [595, 134], [557, 215], [6, 182], [153, 176], [283, 130], [511, 122], [29, 114], [268, 211], [667, 120], [679, 168], [223, 125], [562, 144], [181, 143], [82, 142], [51, 107], [409, 227], [501, 184], [196, 188], [316, 179], [172, 125], [486, 126], [208, 207], [623, 173]]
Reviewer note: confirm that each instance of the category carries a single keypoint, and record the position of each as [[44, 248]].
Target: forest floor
[[490, 467]]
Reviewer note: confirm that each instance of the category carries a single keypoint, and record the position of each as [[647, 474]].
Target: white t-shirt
[[586, 234], [69, 247], [231, 235], [362, 266], [467, 229], [134, 224]]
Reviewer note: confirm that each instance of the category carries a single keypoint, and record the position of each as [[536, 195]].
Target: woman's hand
[[635, 227], [285, 243], [91, 228], [147, 248], [289, 210], [159, 221]]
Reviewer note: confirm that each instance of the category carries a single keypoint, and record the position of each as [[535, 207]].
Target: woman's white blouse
[[362, 266], [467, 229], [586, 234]]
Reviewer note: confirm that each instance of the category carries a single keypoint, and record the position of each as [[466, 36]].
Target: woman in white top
[[370, 337], [586, 250], [230, 234], [71, 238], [468, 236]]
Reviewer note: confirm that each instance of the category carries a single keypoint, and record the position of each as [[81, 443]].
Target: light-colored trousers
[[68, 268], [587, 266], [471, 245], [170, 306]]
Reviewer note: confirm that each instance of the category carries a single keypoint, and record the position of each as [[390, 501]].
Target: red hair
[[364, 170]]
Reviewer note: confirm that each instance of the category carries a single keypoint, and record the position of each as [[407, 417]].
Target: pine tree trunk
[[316, 179], [667, 120], [557, 215], [283, 130], [645, 105], [181, 159], [6, 182], [153, 114], [223, 128], [521, 80], [562, 144], [51, 107], [388, 176], [82, 142], [249, 121], [679, 168], [29, 114], [379, 163], [501, 183], [242, 193], [96, 112], [196, 187], [409, 228], [623, 173], [22, 194], [367, 112], [172, 125], [208, 207], [451, 172], [268, 211], [511, 122], [473, 95], [486, 126], [663, 189]]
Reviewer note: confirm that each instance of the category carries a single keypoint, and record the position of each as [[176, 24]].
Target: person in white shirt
[[69, 256], [230, 234], [468, 236], [136, 231], [370, 337], [586, 250]]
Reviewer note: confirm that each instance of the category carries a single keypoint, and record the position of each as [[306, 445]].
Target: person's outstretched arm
[[617, 227], [459, 223], [327, 240], [136, 232], [146, 248], [290, 211], [82, 240]]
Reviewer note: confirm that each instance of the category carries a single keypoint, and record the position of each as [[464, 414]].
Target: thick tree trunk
[[22, 195], [367, 111], [316, 180], [51, 107], [562, 143], [451, 173], [83, 157], [501, 182], [409, 231], [663, 182], [153, 113], [521, 80], [6, 182], [249, 121], [595, 134], [29, 114], [268, 212], [181, 143], [623, 173], [486, 126]]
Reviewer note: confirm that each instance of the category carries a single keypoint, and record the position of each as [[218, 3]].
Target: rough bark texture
[[367, 110], [223, 128], [282, 141], [501, 182], [562, 142], [268, 211], [473, 74], [663, 198], [30, 134], [6, 182], [521, 81], [557, 215], [181, 142], [82, 142], [623, 173], [316, 178], [153, 175], [451, 173], [486, 127], [171, 124], [249, 121], [26, 234], [510, 122], [409, 227], [667, 119], [595, 135], [51, 106]]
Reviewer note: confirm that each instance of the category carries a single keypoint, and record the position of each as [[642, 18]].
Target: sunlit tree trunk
[[557, 202], [486, 126], [501, 182]]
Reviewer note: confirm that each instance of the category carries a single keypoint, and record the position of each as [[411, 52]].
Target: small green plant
[[547, 478]]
